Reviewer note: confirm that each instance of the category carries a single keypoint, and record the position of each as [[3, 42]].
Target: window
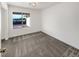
[[21, 19]]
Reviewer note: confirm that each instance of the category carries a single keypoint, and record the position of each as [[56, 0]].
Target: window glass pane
[[28, 21], [21, 19], [24, 19], [17, 19]]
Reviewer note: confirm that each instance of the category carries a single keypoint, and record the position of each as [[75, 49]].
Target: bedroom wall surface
[[62, 22], [35, 21], [4, 20], [2, 23], [0, 28]]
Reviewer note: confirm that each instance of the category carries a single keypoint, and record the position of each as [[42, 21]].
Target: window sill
[[19, 26]]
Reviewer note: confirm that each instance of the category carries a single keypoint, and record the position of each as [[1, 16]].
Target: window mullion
[[22, 19]]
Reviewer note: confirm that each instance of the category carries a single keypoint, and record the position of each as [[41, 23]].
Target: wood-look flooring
[[37, 45]]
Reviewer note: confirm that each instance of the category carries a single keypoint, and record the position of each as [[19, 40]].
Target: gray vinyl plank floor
[[37, 44]]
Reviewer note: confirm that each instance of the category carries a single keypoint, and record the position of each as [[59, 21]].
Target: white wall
[[0, 28], [35, 21], [4, 22], [62, 22]]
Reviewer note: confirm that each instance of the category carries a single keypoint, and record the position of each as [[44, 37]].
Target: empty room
[[39, 29]]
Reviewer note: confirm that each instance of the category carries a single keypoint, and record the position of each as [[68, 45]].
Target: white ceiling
[[41, 5]]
